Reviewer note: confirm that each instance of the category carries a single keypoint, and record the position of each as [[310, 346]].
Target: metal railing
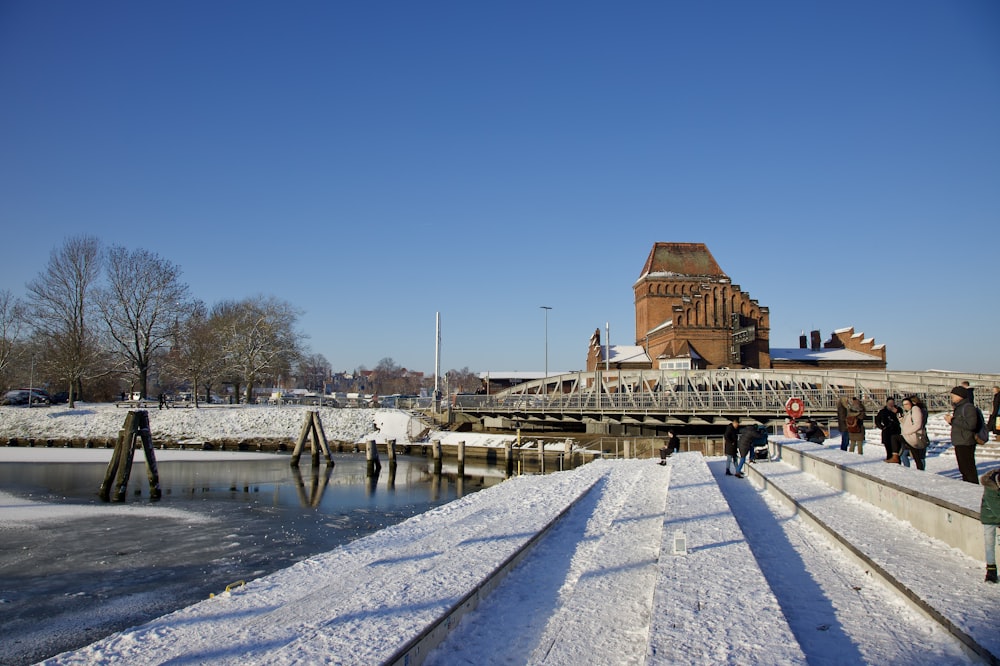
[[721, 392]]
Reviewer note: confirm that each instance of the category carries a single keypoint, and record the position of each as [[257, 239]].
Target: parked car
[[19, 397]]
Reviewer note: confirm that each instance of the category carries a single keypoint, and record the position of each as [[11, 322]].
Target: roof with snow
[[625, 354], [798, 354]]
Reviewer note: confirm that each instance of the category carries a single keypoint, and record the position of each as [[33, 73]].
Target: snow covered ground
[[757, 585]]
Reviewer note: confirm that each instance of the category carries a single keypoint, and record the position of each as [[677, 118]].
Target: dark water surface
[[66, 583]]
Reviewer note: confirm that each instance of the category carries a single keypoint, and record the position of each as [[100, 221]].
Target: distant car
[[19, 397]]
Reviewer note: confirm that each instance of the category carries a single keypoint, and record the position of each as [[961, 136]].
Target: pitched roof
[[682, 259]]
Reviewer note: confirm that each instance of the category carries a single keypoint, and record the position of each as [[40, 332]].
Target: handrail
[[723, 391]]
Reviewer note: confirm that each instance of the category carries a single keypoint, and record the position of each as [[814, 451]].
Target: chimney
[[815, 340], [802, 340]]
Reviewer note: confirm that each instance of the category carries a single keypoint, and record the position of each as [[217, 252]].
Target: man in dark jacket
[[964, 422], [729, 442], [887, 420]]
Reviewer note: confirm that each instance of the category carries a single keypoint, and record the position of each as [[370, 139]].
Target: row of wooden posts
[[135, 432]]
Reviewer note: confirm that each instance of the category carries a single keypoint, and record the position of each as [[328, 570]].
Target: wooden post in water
[[508, 458], [312, 429], [371, 456], [461, 458], [390, 450], [134, 432], [541, 456], [436, 455]]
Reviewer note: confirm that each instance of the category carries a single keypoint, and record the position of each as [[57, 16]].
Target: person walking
[[744, 445], [729, 440], [842, 406], [989, 515], [964, 422], [993, 425], [887, 420], [914, 433], [856, 426]]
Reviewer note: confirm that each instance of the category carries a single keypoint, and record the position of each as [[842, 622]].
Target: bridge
[[648, 402]]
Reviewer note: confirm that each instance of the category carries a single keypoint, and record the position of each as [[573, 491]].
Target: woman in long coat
[[993, 415]]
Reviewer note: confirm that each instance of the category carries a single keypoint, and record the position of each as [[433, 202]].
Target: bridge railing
[[723, 391]]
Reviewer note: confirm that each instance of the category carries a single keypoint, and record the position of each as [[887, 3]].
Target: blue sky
[[375, 163]]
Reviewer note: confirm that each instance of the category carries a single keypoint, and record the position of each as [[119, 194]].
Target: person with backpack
[[856, 426], [964, 422], [745, 443], [989, 515], [842, 406]]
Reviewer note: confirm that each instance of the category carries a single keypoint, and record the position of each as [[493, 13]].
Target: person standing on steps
[[887, 420], [914, 436], [993, 425], [729, 440], [856, 426], [842, 406], [989, 515], [964, 422]]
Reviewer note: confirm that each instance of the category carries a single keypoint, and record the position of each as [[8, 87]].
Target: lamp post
[[31, 380], [546, 380]]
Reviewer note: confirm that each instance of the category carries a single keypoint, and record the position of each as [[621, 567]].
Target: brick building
[[689, 315]]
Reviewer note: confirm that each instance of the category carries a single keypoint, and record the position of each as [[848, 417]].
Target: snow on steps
[[385, 598], [955, 595], [704, 587]]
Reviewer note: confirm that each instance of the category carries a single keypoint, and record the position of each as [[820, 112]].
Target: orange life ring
[[795, 408]]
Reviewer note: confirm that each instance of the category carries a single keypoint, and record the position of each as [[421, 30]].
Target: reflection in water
[[263, 514], [316, 488]]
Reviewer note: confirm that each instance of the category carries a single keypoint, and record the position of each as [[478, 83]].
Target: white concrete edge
[[913, 599], [416, 650]]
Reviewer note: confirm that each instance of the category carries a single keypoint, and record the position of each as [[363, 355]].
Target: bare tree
[[12, 319], [463, 381], [259, 338], [196, 354], [314, 370], [60, 300], [141, 304]]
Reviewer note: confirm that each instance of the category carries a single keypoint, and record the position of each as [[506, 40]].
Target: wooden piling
[[390, 451], [312, 429], [461, 458], [371, 456], [436, 455], [135, 430], [508, 457]]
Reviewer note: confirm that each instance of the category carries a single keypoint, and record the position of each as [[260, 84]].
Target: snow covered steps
[[386, 598], [710, 603], [951, 591]]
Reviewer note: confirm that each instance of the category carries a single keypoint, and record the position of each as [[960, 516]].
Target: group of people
[[904, 434], [739, 443], [904, 431]]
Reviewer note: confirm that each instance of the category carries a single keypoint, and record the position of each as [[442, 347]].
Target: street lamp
[[31, 380], [546, 380]]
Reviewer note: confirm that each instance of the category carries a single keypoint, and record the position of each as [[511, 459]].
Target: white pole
[[437, 355], [546, 380]]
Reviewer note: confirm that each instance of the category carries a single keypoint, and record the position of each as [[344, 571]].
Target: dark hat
[[961, 392]]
